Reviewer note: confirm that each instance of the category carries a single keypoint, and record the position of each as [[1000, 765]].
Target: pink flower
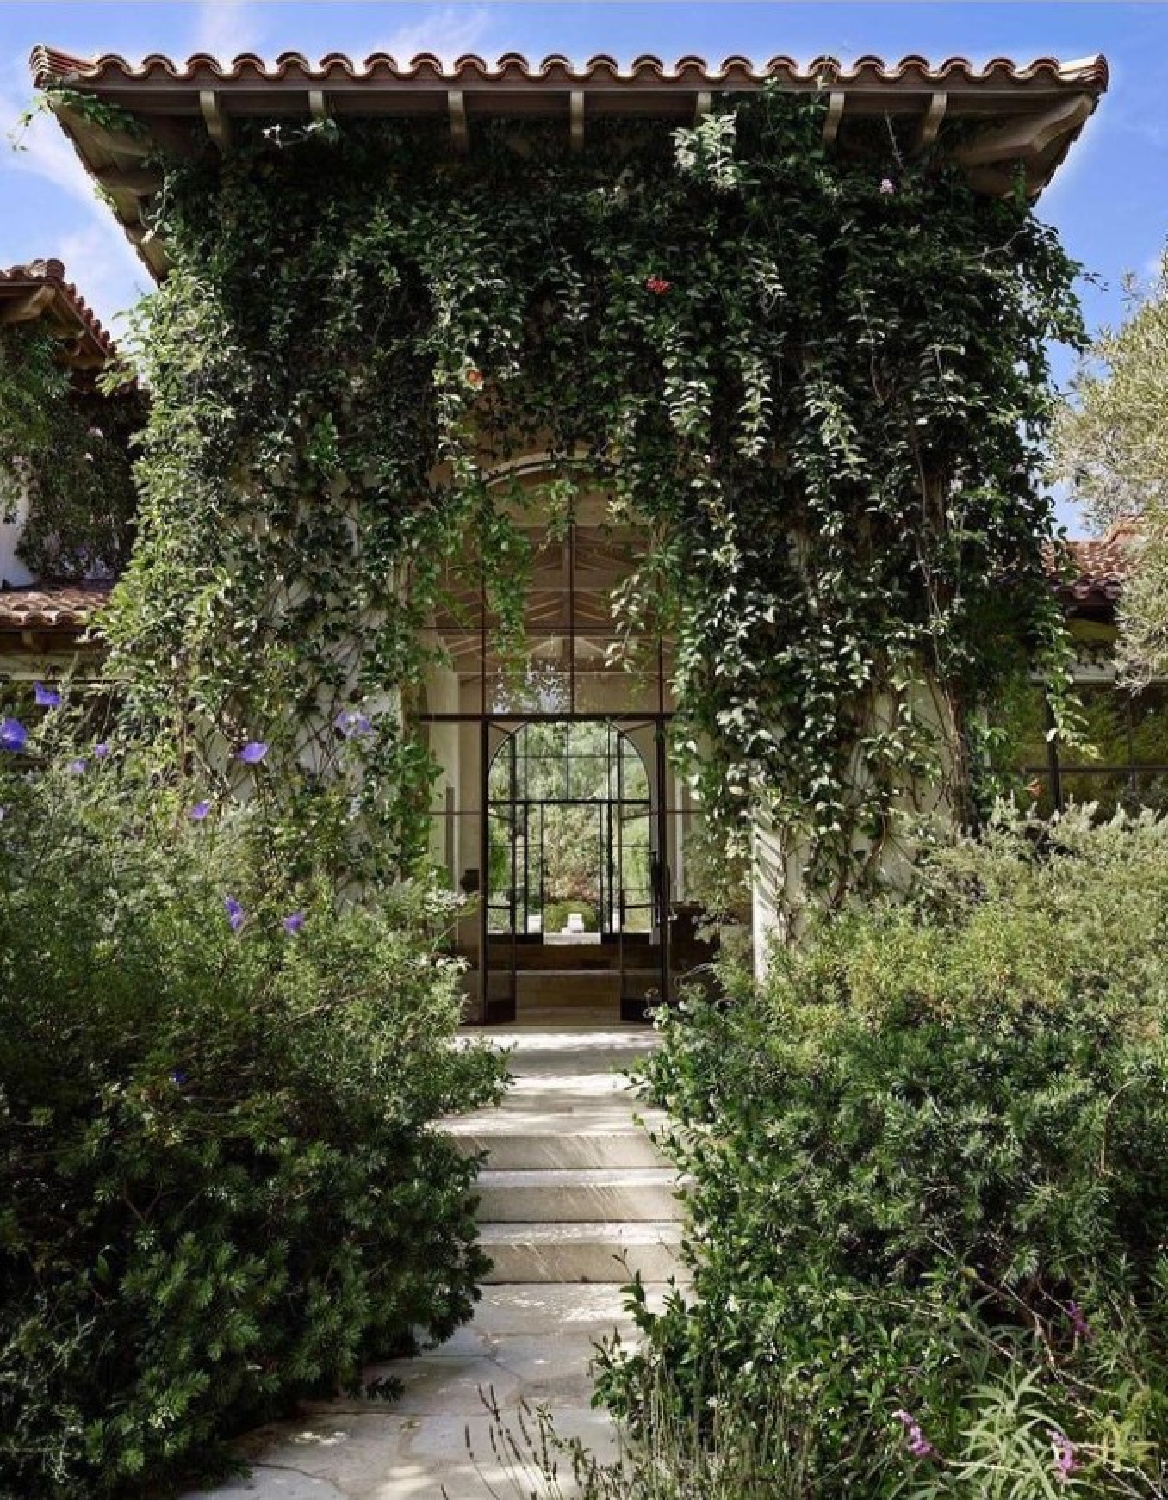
[[887, 185], [918, 1445], [1065, 1463], [658, 285]]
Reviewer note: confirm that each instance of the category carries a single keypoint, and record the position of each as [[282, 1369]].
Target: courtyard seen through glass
[[570, 832]]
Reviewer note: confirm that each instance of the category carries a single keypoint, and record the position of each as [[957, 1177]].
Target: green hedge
[[928, 1164], [220, 1187]]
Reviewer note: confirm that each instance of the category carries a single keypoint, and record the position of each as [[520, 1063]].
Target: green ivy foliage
[[67, 446], [819, 384]]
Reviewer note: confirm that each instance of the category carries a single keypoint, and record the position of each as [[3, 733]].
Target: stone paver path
[[571, 1183]]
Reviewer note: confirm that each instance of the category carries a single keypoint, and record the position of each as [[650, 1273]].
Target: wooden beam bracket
[[1028, 137], [835, 113], [218, 125], [576, 105], [459, 133], [930, 123]]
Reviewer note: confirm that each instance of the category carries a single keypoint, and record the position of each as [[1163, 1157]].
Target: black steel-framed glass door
[[572, 859]]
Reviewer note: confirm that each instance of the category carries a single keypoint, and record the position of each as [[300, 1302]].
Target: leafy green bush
[[928, 1179], [219, 1184], [556, 914]]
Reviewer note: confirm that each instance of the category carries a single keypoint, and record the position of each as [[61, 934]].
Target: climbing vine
[[64, 449], [818, 383]]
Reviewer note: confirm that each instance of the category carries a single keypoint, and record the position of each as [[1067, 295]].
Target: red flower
[[658, 286]]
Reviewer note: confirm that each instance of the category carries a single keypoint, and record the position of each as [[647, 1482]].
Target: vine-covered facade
[[707, 406]]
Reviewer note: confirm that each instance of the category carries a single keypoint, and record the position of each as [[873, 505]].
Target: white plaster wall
[[778, 864], [13, 516]]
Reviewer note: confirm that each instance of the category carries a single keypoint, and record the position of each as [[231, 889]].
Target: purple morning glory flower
[[13, 735], [45, 697], [1079, 1325], [252, 753], [101, 752], [352, 724], [199, 812], [235, 913], [178, 1078], [918, 1445], [77, 767], [294, 922]]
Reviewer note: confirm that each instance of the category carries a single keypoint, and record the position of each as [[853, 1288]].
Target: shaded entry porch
[[557, 808]]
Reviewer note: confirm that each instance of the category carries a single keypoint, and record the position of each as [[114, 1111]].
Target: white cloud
[[43, 149], [225, 28], [448, 31], [107, 272]]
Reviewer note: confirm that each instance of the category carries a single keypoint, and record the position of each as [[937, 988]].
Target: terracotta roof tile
[[44, 290], [51, 66], [1010, 116], [65, 607], [1097, 567]]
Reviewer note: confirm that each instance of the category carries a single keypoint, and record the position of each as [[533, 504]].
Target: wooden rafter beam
[[1027, 137], [835, 113], [930, 123], [576, 111], [218, 125], [459, 133], [138, 181], [28, 307]]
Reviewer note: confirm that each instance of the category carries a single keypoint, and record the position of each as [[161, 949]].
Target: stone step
[[601, 1252], [579, 1196], [516, 1143]]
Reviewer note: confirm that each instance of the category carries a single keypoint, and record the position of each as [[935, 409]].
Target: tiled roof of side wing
[[71, 306], [66, 607]]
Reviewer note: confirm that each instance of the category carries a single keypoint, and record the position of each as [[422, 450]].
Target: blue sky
[[1110, 201]]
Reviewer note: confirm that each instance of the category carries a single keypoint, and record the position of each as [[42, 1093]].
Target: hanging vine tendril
[[819, 383]]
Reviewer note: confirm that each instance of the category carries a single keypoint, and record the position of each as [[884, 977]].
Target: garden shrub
[[221, 1188], [929, 1200]]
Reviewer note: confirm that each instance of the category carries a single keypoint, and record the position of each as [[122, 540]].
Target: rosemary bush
[[928, 1185], [220, 1187]]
